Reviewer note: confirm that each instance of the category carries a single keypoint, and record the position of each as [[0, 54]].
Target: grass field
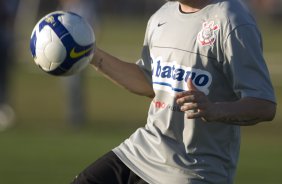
[[42, 148]]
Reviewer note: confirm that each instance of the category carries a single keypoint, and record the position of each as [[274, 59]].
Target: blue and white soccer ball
[[62, 43]]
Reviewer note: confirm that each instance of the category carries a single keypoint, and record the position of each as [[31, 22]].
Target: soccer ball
[[62, 43]]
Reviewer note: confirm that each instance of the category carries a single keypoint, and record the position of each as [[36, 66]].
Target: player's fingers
[[194, 114], [186, 99], [191, 86], [189, 106], [182, 94]]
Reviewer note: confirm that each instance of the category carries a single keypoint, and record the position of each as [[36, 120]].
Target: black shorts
[[109, 169]]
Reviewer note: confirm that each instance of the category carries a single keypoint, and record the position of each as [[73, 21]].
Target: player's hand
[[195, 103]]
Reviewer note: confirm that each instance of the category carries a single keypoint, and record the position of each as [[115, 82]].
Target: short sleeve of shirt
[[145, 61], [245, 66]]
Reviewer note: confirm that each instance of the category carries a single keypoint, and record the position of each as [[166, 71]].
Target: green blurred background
[[42, 148]]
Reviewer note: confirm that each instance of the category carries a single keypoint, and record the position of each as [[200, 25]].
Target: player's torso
[[186, 46], [181, 47]]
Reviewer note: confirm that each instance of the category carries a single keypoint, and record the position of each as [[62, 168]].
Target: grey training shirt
[[219, 48]]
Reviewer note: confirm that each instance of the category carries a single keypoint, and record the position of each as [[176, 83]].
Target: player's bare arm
[[127, 75], [244, 112]]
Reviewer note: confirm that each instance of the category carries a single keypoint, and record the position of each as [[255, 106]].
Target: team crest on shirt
[[207, 36]]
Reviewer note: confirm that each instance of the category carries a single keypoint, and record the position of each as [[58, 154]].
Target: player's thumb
[[191, 86]]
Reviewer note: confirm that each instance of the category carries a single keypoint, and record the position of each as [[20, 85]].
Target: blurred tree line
[[112, 7], [270, 8]]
